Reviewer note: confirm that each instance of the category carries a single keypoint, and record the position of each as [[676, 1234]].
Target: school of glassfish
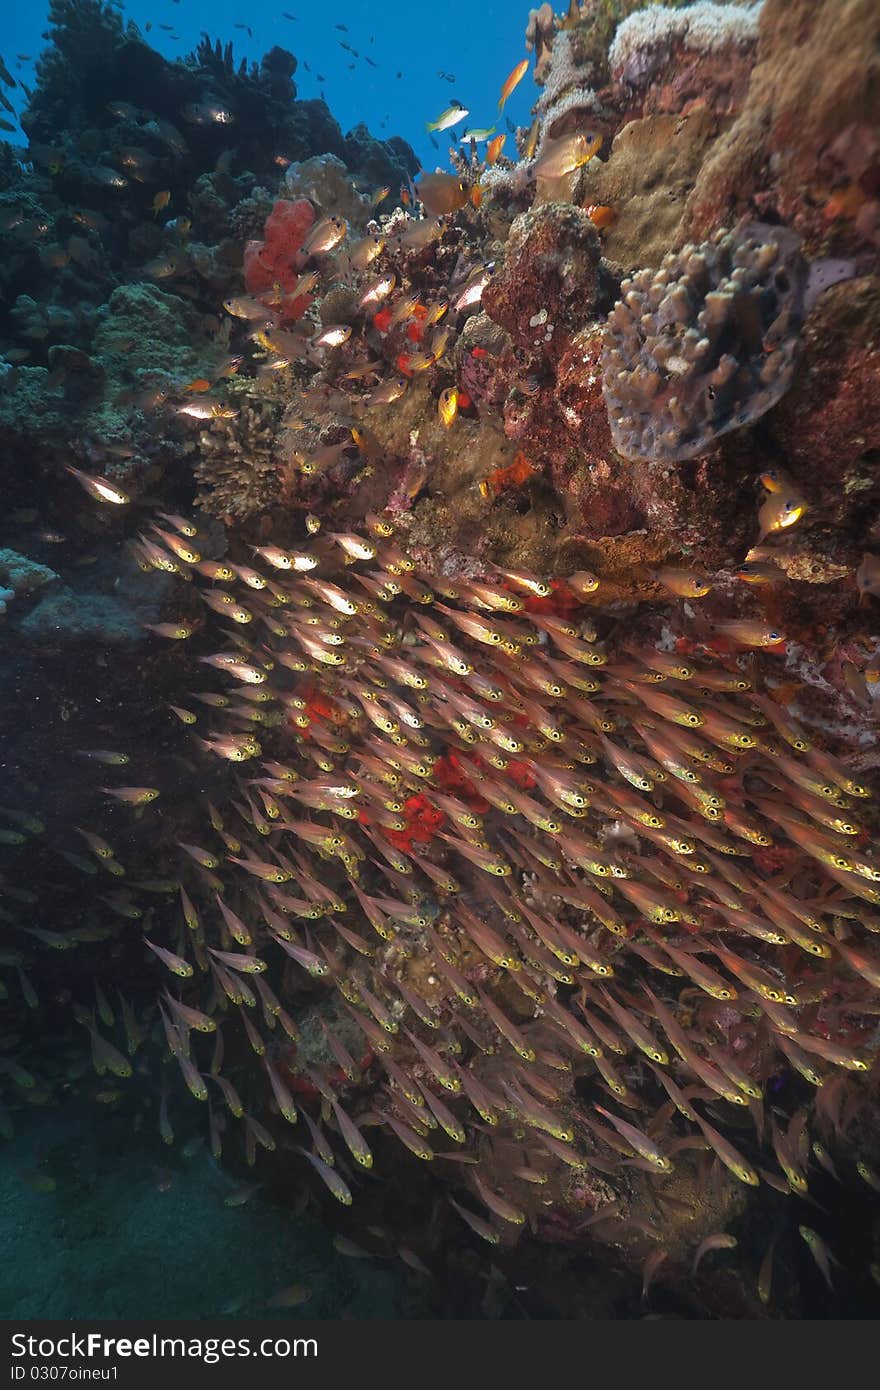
[[580, 899]]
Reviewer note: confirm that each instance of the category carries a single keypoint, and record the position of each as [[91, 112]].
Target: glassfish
[[99, 488]]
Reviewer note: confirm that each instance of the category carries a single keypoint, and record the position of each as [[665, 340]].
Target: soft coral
[[275, 260]]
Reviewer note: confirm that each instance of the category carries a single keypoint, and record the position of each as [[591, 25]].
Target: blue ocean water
[[395, 84]]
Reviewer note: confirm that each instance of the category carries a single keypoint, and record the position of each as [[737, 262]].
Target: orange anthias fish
[[513, 81], [513, 475], [845, 202], [161, 201], [600, 215], [494, 147]]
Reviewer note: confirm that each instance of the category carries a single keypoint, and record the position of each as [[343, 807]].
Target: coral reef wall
[[475, 587]]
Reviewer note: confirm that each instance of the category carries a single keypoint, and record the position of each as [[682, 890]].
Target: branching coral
[[540, 31], [236, 469], [705, 345]]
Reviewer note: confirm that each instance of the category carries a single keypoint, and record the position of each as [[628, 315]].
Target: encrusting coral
[[19, 575], [706, 344]]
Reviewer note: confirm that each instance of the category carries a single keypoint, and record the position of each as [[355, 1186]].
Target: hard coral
[[237, 468], [20, 575], [652, 167], [706, 345], [540, 30], [644, 42], [815, 83], [326, 182]]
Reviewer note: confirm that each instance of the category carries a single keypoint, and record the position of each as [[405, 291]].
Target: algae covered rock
[[815, 86], [66, 616], [144, 329], [550, 280], [21, 576]]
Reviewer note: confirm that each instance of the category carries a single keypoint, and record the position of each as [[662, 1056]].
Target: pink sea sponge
[[275, 260]]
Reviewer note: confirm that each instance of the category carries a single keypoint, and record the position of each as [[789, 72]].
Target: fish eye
[[774, 636]]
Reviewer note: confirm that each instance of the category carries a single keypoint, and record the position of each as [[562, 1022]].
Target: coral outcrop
[[21, 576], [549, 283]]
